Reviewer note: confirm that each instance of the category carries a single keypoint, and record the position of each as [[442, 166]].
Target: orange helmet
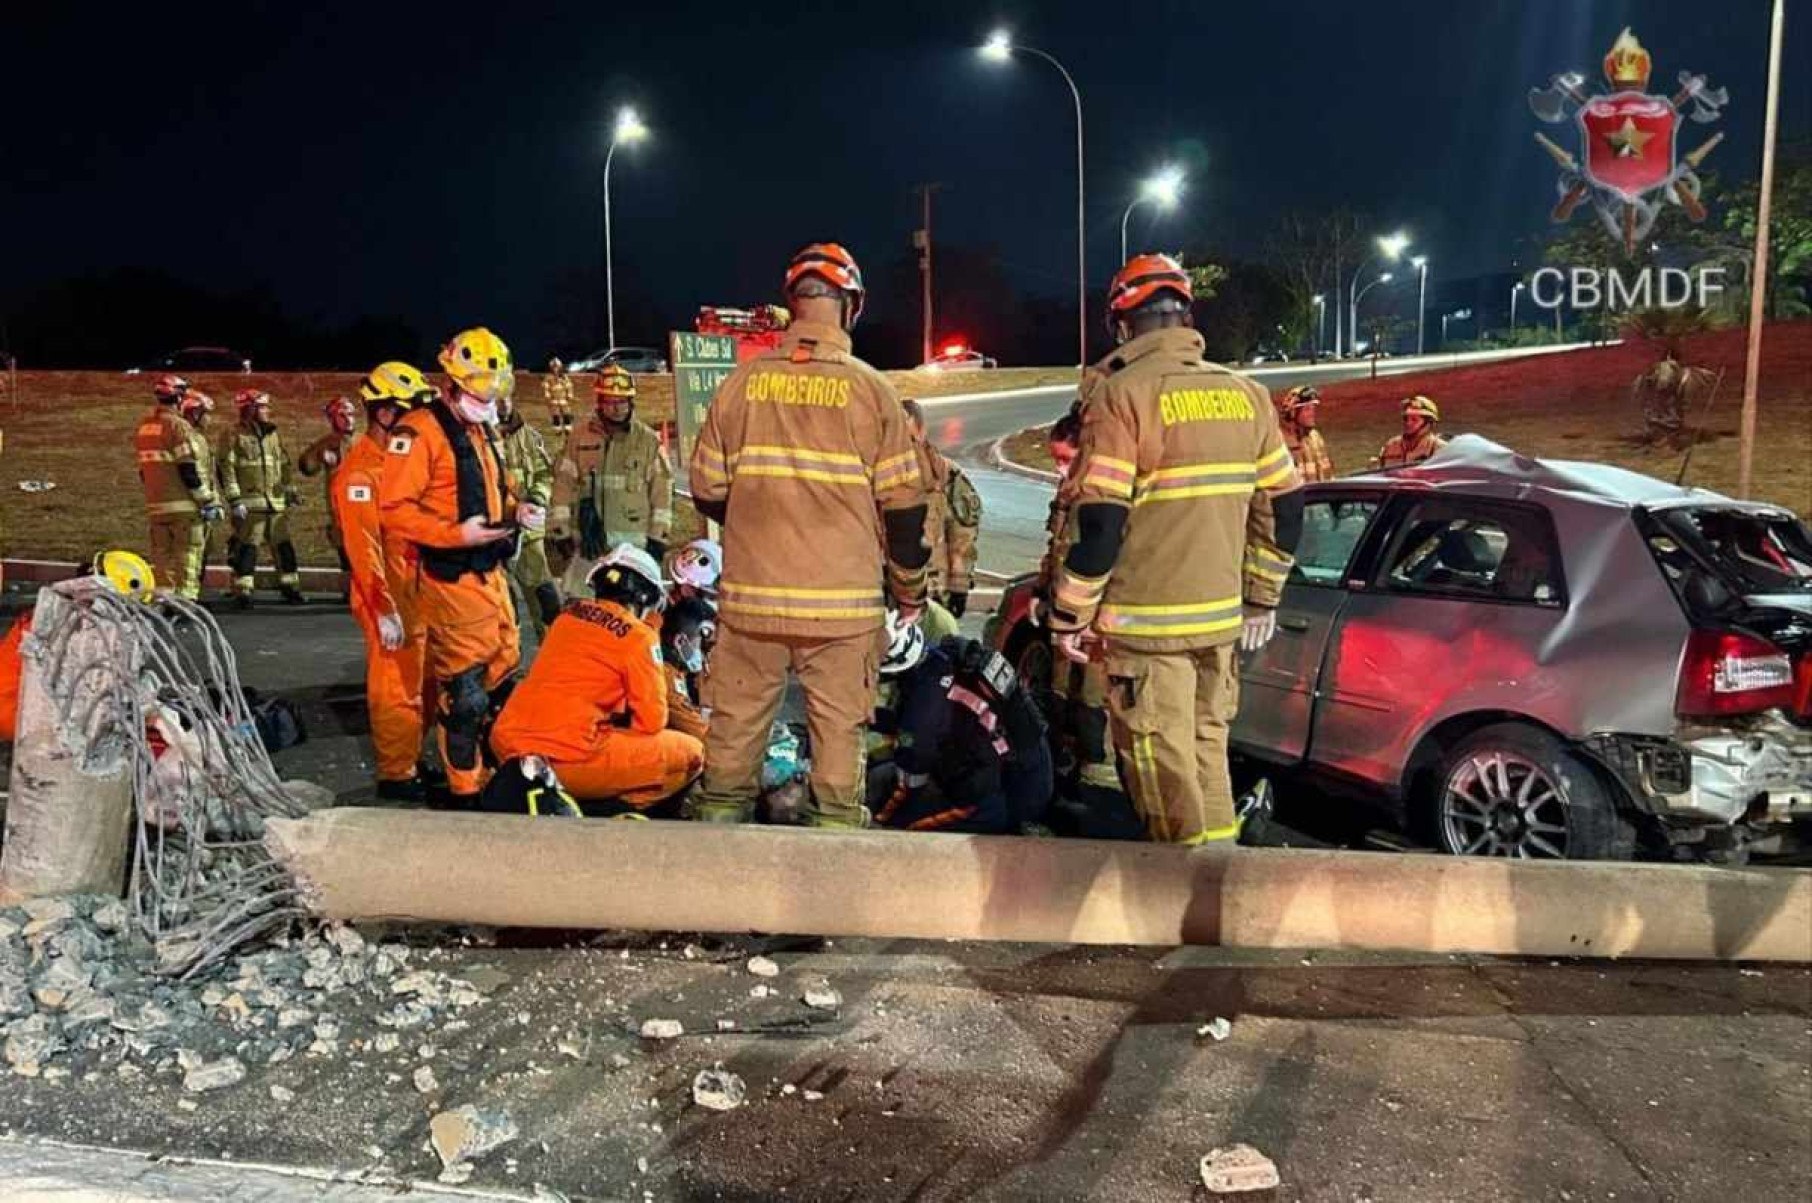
[[1144, 278], [1295, 398], [169, 389], [614, 383], [247, 398], [196, 405], [829, 262]]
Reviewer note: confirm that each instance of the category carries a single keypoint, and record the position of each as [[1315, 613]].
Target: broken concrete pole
[[69, 821], [515, 871]]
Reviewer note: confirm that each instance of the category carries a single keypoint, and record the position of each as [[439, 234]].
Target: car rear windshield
[[1731, 551]]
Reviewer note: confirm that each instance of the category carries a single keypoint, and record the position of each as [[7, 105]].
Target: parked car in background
[[638, 361], [198, 359], [1535, 658], [959, 357]]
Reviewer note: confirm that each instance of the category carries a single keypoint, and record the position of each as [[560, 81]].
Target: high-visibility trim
[[798, 591], [1171, 621], [825, 467], [1267, 565], [942, 819], [1207, 607], [802, 453], [1145, 771], [156, 457], [894, 461], [1184, 493], [789, 473], [789, 601], [1212, 835], [1277, 469], [170, 507], [1114, 477], [1183, 481], [738, 607], [1190, 471], [895, 471]]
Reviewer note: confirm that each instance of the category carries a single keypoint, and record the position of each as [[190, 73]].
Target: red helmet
[[169, 389], [340, 407], [246, 398], [1143, 279], [835, 266], [196, 405]]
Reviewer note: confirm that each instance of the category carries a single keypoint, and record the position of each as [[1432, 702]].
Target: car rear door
[[1278, 683]]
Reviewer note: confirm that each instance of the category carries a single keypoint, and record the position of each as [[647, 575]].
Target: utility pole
[[1758, 277], [921, 239]]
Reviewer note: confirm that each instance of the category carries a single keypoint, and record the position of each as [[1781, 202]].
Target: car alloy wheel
[[1498, 803]]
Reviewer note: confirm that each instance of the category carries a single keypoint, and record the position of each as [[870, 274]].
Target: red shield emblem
[[1629, 142]]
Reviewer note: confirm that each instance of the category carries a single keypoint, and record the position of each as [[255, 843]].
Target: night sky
[[388, 159]]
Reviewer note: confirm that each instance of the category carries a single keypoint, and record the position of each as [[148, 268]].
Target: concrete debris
[[662, 1029], [386, 1042], [811, 1096], [29, 1043], [1216, 1029], [457, 1174], [717, 1089], [282, 1094], [1237, 1169], [726, 1025], [112, 916], [425, 1081], [764, 967], [820, 996], [228, 1071], [468, 1133], [760, 991]]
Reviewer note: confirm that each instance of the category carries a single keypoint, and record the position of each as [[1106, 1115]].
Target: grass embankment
[[75, 428], [1577, 405]]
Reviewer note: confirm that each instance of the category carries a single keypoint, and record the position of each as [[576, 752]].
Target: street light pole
[[1758, 278], [1321, 321], [1384, 278], [628, 129], [1420, 263], [1123, 219], [999, 47], [1514, 293], [1391, 247], [1162, 188]]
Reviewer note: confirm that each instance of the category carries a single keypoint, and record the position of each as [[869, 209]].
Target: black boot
[[292, 596], [411, 791]]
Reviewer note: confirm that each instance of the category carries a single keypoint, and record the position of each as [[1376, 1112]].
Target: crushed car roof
[[1471, 460]]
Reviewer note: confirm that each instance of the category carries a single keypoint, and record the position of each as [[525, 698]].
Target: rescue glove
[[212, 512], [390, 631], [530, 516], [956, 603], [239, 511], [1259, 625]]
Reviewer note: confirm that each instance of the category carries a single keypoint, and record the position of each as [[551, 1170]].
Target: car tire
[[1515, 790]]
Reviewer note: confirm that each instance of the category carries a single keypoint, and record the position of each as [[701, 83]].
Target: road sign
[[701, 362]]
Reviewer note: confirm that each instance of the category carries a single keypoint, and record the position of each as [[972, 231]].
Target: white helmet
[[697, 565], [905, 645], [628, 574]]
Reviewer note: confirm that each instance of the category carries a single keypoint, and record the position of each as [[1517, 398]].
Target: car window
[[1491, 554], [1331, 530]]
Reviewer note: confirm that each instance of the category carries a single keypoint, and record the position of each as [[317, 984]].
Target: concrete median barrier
[[523, 872]]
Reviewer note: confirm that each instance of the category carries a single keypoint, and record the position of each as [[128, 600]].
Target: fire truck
[[755, 329]]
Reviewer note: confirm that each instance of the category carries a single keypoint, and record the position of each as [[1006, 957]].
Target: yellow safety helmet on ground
[[1422, 405], [614, 381], [126, 571], [397, 384], [478, 363]]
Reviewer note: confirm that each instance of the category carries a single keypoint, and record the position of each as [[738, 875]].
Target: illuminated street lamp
[[1163, 188], [1420, 263], [627, 131], [1320, 301], [1390, 248], [1384, 278], [1458, 315], [999, 48], [1514, 293]]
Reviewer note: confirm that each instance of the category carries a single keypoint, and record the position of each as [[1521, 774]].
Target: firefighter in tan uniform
[[1419, 439], [612, 484], [323, 458], [806, 460], [256, 485], [1298, 416], [557, 391], [952, 520], [1187, 511], [179, 489], [531, 471]]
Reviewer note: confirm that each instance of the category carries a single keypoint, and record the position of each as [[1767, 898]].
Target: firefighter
[[557, 391], [127, 572], [197, 409], [323, 456], [1187, 509], [258, 491], [952, 521], [531, 472], [1298, 411], [180, 500], [383, 569], [445, 490], [594, 706], [806, 460], [612, 484], [1419, 439]]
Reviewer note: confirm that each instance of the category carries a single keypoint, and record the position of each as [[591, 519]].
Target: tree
[[1312, 253], [1790, 231]]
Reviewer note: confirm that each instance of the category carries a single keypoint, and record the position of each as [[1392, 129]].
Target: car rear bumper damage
[[1757, 773]]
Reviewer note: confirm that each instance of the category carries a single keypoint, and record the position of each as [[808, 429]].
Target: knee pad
[[547, 597], [244, 559], [463, 703], [286, 556]]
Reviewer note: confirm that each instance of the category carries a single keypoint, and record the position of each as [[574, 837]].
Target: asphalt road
[[1014, 507]]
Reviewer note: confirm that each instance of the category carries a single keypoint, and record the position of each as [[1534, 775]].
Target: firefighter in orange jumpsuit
[[383, 569], [806, 460], [594, 706], [445, 490]]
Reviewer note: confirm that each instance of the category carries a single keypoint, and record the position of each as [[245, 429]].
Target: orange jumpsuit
[[10, 668], [594, 706], [383, 573], [684, 714], [462, 596]]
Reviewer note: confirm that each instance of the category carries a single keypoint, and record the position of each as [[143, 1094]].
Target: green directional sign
[[701, 362]]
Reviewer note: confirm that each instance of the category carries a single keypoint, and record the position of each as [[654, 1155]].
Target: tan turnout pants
[[744, 691], [1170, 712]]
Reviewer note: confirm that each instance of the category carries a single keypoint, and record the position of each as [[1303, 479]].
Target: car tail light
[[1729, 672]]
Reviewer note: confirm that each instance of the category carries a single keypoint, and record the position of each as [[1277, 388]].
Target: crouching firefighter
[[594, 706], [445, 490], [970, 750]]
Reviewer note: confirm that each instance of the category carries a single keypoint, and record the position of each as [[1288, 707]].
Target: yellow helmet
[[479, 364], [1422, 405], [127, 572], [614, 381], [395, 383]]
